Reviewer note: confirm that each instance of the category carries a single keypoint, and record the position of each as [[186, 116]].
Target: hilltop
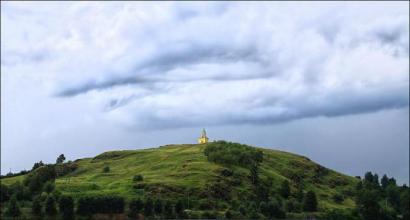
[[184, 172]]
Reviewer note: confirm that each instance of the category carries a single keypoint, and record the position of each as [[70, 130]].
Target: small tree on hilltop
[[60, 159], [13, 208], [310, 202]]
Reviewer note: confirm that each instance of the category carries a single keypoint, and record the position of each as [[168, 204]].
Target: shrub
[[4, 193], [168, 209], [310, 202], [233, 154], [13, 208], [66, 205], [50, 207], [48, 187], [135, 207], [102, 204], [37, 207], [138, 178], [338, 198], [179, 208], [158, 206], [148, 207], [285, 189], [106, 169]]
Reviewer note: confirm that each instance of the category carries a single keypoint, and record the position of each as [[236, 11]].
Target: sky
[[327, 80]]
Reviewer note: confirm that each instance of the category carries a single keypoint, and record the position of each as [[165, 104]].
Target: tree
[[384, 181], [254, 174], [66, 205], [48, 187], [405, 204], [168, 209], [60, 159], [310, 202], [367, 203], [393, 196], [37, 165], [148, 207], [37, 206], [13, 208], [4, 193], [135, 207], [179, 208], [50, 207], [285, 189], [138, 178], [158, 206]]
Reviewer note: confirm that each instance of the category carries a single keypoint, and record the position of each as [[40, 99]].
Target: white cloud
[[183, 64]]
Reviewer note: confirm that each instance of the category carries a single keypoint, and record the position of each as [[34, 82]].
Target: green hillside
[[183, 171]]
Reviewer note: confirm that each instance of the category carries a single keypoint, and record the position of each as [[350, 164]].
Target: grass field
[[183, 170]]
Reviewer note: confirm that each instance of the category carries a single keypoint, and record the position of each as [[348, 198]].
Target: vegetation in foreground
[[216, 180]]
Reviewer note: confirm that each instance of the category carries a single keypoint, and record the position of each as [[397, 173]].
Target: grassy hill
[[183, 171]]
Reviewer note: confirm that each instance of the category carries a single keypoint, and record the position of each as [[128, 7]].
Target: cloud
[[175, 65]]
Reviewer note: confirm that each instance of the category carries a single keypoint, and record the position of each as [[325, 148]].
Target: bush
[[338, 198], [179, 208], [13, 208], [102, 204], [138, 178], [168, 209], [106, 169], [48, 187], [50, 207], [148, 207], [4, 193], [66, 205], [158, 206], [233, 154], [285, 189], [37, 207], [135, 207], [310, 202]]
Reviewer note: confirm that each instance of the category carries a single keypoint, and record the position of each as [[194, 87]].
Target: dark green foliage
[[106, 169], [393, 196], [338, 198], [66, 206], [233, 154], [285, 189], [337, 214], [49, 187], [148, 207], [60, 159], [37, 206], [310, 202], [209, 215], [100, 204], [384, 181], [50, 206], [228, 214], [158, 207], [405, 204], [179, 208], [22, 192], [168, 209], [135, 207], [4, 193], [36, 179], [138, 178], [368, 206], [13, 208], [271, 209], [37, 165]]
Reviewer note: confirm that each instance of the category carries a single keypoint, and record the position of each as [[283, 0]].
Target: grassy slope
[[185, 167]]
